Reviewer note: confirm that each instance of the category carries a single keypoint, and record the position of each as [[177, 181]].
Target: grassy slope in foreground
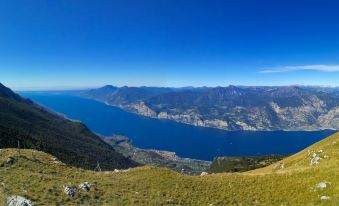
[[41, 180]]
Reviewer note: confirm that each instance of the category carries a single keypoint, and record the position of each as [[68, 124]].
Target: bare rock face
[[17, 200], [142, 109], [330, 119]]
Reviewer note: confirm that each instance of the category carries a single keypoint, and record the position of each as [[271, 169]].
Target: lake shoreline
[[187, 141]]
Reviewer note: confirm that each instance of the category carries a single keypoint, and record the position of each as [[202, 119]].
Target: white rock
[[322, 185], [70, 190], [203, 174], [17, 200], [315, 160], [10, 160], [282, 166], [325, 198], [85, 186], [116, 170]]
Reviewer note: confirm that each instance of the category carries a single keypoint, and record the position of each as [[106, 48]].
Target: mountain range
[[230, 108], [309, 177]]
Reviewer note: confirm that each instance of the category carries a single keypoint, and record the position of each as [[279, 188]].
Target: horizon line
[[71, 88]]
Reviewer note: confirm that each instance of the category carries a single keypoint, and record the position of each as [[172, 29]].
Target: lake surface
[[185, 140]]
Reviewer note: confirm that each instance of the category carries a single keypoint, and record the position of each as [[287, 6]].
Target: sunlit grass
[[36, 176]]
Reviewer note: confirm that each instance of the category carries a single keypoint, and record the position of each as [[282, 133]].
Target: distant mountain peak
[[108, 87], [232, 86]]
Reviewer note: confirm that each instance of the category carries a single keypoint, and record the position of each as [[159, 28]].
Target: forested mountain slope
[[26, 125]]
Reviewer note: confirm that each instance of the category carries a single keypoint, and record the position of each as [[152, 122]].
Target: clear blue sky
[[86, 43]]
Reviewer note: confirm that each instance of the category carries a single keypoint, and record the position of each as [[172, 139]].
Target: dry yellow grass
[[35, 175]]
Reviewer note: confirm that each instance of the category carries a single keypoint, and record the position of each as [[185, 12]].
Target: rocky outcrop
[[330, 119], [142, 109]]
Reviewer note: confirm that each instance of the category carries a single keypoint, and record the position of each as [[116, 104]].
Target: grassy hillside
[[37, 176], [27, 125]]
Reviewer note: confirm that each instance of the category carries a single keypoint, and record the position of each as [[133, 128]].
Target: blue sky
[[83, 43]]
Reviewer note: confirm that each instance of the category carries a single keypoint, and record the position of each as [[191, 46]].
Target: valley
[[186, 141], [120, 178]]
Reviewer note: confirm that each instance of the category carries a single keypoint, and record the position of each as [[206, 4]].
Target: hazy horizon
[[70, 88]]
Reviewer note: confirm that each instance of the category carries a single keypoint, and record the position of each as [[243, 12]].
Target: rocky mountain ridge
[[232, 107]]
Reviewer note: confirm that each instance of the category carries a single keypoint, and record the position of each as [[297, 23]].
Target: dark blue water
[[185, 140]]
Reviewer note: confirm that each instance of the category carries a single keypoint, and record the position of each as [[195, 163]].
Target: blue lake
[[185, 140]]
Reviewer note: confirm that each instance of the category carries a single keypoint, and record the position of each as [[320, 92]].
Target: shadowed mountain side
[[26, 125]]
